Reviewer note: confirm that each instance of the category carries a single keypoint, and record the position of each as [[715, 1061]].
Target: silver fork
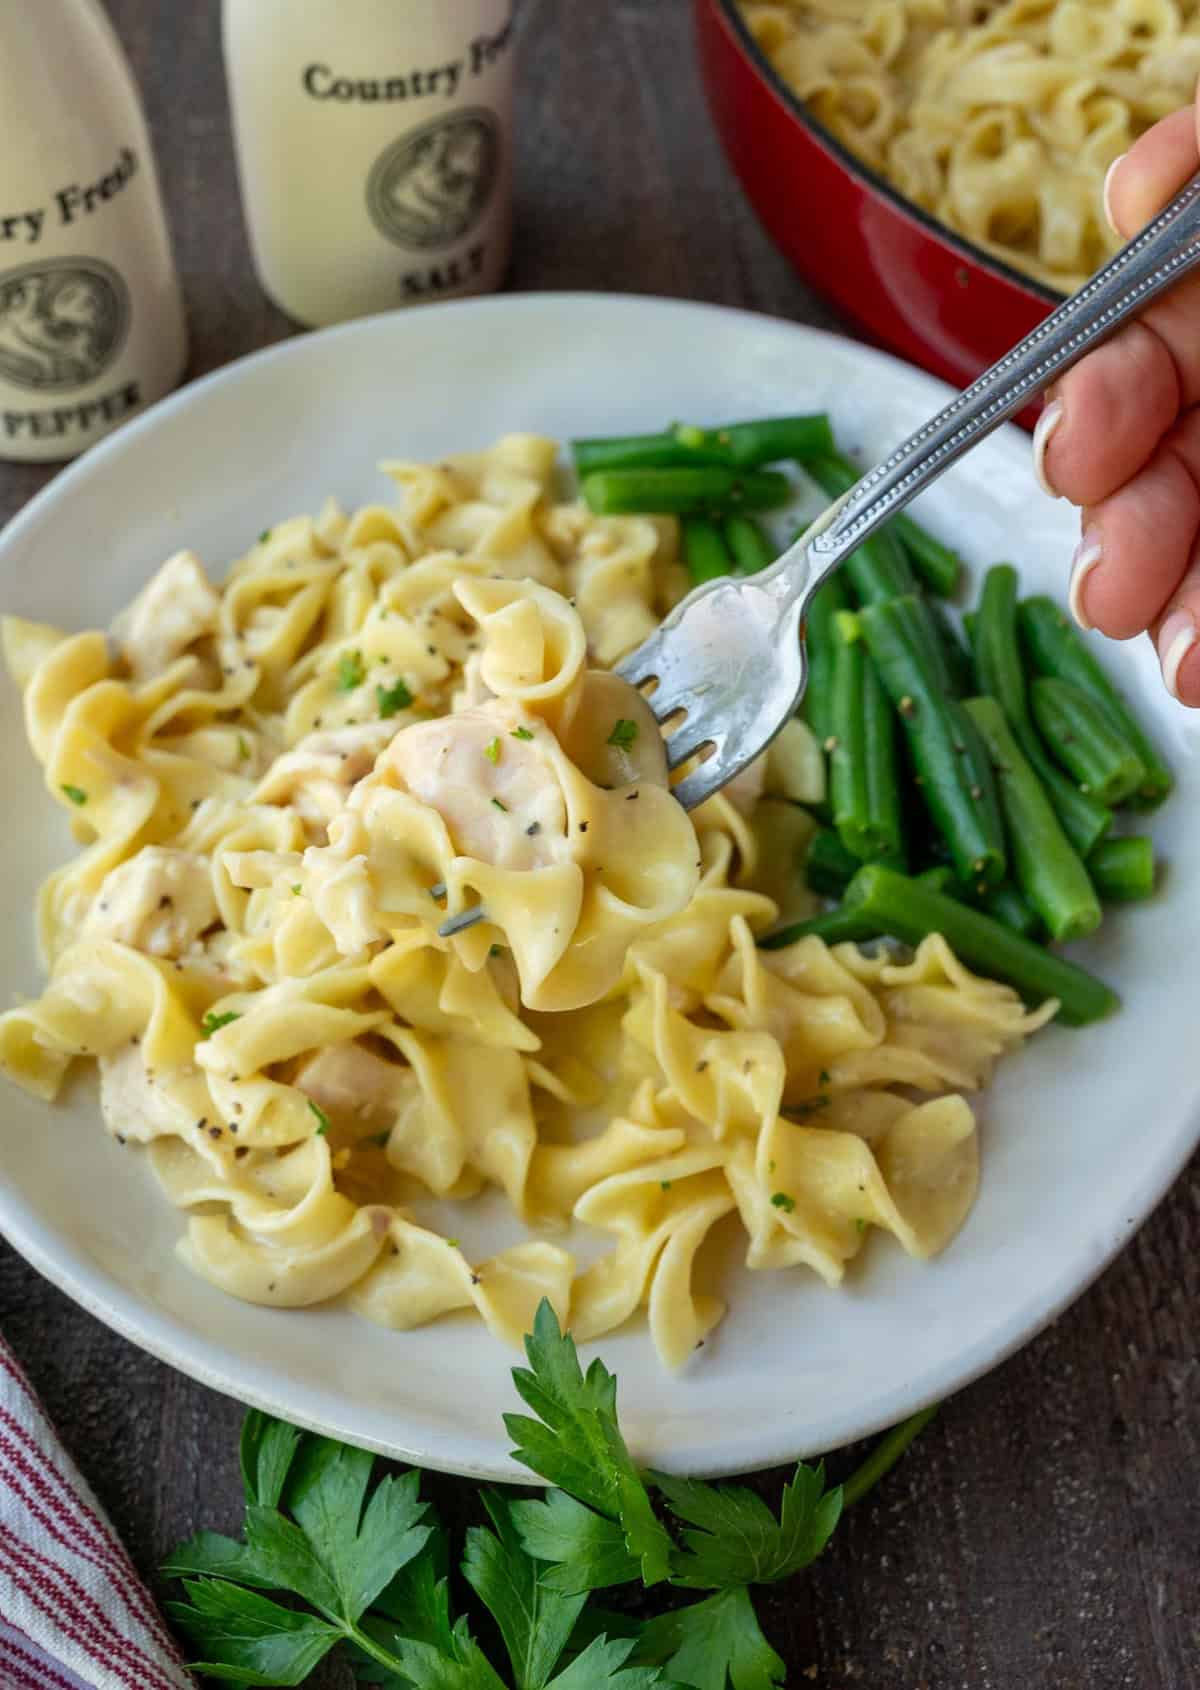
[[730, 657]]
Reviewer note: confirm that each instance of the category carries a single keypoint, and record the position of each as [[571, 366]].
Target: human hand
[[1120, 438]]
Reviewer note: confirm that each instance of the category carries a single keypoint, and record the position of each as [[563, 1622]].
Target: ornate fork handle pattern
[[1164, 251]]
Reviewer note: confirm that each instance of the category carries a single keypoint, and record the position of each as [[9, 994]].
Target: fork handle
[[1167, 249]]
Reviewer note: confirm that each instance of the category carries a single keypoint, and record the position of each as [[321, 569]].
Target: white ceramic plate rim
[[211, 1362]]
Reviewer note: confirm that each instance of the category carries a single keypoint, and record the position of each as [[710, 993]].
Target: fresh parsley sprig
[[361, 1561]]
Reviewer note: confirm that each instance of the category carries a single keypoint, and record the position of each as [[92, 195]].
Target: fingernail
[[1176, 638], [1108, 176], [1087, 556], [1046, 424]]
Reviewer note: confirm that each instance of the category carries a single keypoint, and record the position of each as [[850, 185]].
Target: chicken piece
[[131, 1104], [354, 1086], [489, 775], [173, 610], [159, 902], [316, 775]]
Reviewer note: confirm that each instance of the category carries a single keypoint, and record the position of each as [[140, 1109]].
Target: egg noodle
[[383, 899], [999, 117]]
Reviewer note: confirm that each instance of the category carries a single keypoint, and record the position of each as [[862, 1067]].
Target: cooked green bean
[[707, 487], [1006, 905], [829, 599], [645, 451], [878, 569], [829, 867], [1047, 869], [1002, 676], [938, 567], [1123, 869], [938, 880], [960, 667], [749, 544], [704, 550], [836, 927], [765, 440], [1057, 650], [887, 902], [1084, 740], [951, 760], [864, 786]]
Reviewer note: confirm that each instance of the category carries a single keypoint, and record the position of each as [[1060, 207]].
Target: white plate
[[1082, 1134]]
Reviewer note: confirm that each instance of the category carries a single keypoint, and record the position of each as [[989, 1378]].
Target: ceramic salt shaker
[[374, 145], [91, 320]]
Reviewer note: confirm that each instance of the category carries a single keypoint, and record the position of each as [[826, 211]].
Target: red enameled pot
[[909, 282]]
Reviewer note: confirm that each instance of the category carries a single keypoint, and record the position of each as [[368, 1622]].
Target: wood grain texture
[[1044, 1534]]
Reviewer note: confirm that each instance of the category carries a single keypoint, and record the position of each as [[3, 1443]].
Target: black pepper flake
[[121, 1139], [474, 1279], [242, 1150], [201, 1123], [238, 1107], [432, 650], [165, 902], [534, 827], [233, 1127], [630, 796], [583, 827], [195, 803], [700, 1067], [271, 1286], [215, 1132]]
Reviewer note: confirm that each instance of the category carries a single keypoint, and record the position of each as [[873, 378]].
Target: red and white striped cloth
[[73, 1613]]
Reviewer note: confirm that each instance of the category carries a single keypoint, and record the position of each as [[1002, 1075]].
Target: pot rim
[[730, 14]]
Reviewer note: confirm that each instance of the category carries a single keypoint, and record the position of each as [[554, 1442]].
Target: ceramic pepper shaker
[[91, 319]]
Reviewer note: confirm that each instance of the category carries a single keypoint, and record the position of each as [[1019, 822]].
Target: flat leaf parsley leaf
[[576, 1442], [713, 1642], [623, 734], [535, 1622], [363, 1563], [76, 794], [737, 1539]]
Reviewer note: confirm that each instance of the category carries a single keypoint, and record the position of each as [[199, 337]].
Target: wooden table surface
[[1045, 1532]]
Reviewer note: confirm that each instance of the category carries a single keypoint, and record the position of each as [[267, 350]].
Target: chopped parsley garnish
[[624, 733], [781, 1200], [322, 1118], [492, 750], [76, 794], [296, 887], [452, 1244], [496, 950], [243, 745], [665, 1183], [212, 1023], [264, 536], [350, 671], [393, 698], [497, 805], [860, 1225], [521, 733], [823, 1077]]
